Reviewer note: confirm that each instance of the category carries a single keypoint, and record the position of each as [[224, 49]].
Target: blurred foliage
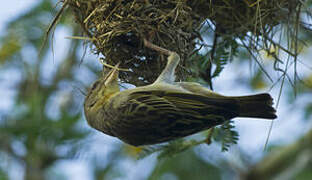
[[169, 150], [257, 81], [3, 175], [226, 135], [44, 125], [11, 47], [39, 136], [185, 166], [306, 173], [308, 111]]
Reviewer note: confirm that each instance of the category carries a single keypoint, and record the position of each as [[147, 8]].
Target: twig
[[56, 18]]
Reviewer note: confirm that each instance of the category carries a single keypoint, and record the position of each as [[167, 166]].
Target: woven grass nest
[[117, 28]]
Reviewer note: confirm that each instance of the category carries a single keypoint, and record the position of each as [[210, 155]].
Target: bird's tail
[[256, 106]]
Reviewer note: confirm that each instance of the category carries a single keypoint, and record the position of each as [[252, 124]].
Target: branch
[[278, 161]]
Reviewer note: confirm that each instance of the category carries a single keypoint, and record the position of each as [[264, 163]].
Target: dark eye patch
[[93, 103], [94, 85]]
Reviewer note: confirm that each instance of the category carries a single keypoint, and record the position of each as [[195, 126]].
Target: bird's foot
[[157, 48]]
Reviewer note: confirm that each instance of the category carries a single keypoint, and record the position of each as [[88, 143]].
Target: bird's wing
[[198, 89], [181, 111]]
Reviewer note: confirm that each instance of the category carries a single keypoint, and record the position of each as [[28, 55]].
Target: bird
[[165, 110]]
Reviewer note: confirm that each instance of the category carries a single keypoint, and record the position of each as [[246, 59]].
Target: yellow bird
[[165, 110]]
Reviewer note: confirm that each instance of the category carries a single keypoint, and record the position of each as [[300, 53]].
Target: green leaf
[[170, 149], [226, 135]]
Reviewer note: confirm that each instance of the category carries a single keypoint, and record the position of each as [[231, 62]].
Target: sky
[[253, 133], [12, 9]]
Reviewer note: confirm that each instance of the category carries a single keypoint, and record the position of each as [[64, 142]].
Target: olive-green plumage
[[165, 110]]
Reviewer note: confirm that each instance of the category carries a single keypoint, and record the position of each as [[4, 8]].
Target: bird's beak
[[112, 75]]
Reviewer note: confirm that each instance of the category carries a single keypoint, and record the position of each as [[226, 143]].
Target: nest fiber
[[117, 28]]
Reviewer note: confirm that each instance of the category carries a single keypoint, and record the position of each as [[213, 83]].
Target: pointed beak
[[112, 75]]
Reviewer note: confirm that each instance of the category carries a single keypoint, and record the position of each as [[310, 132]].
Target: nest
[[236, 18], [117, 28]]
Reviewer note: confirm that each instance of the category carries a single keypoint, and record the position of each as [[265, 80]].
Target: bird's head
[[102, 89]]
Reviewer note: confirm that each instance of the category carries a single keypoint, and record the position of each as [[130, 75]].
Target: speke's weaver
[[165, 110]]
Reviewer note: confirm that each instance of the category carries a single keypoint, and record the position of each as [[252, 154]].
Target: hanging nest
[[242, 16], [117, 28]]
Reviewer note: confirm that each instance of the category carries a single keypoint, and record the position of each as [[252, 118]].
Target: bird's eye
[[94, 85]]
